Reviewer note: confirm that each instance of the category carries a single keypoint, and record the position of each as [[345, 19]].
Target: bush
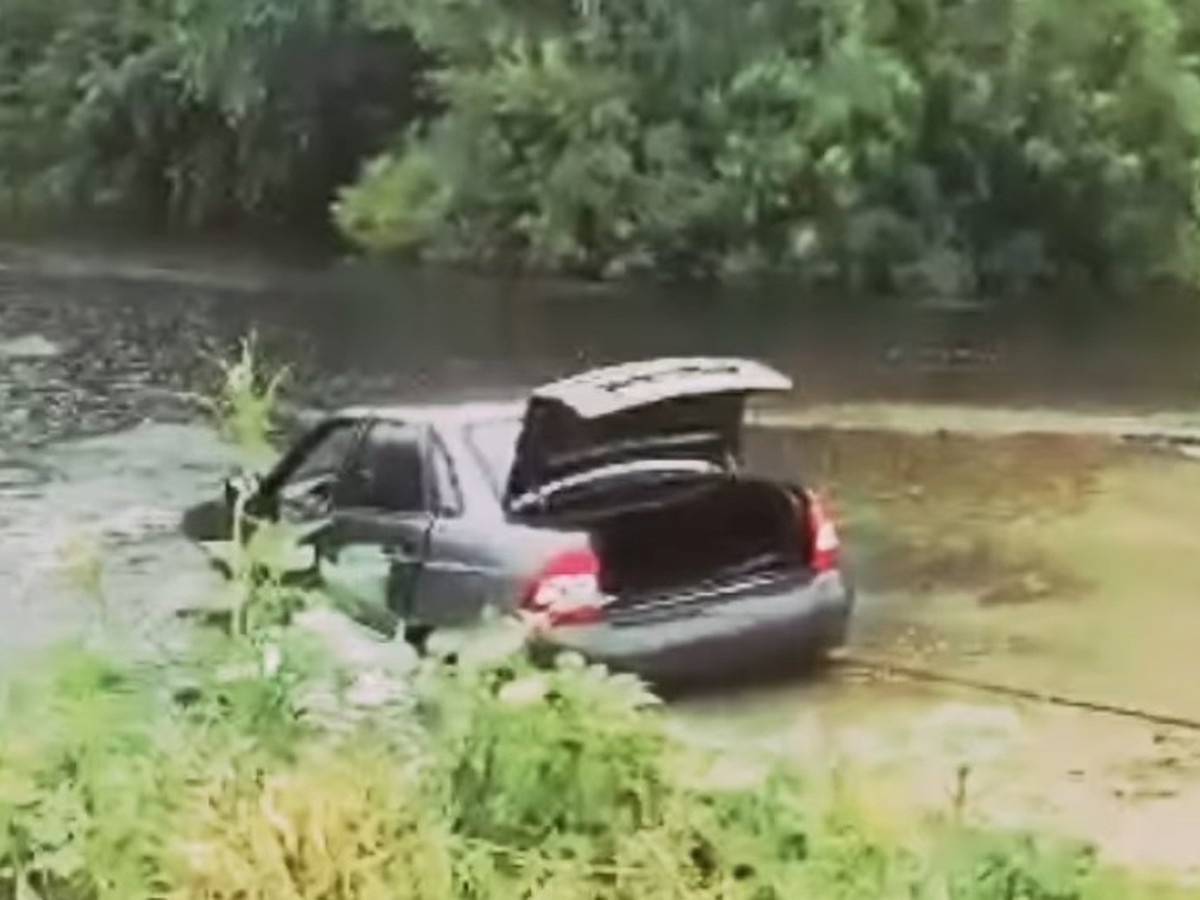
[[396, 206], [194, 112], [911, 145], [342, 821], [118, 783]]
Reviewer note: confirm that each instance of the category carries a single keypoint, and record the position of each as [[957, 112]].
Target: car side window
[[390, 475], [326, 458]]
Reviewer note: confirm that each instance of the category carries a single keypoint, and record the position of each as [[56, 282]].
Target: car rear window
[[495, 443]]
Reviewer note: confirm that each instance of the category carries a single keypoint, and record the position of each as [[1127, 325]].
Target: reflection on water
[[100, 351]]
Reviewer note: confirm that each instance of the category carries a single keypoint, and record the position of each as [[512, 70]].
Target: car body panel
[[463, 552], [763, 623]]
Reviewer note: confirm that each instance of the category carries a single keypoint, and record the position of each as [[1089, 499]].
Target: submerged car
[[611, 510]]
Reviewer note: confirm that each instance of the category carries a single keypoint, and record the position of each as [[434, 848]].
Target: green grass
[[211, 777]]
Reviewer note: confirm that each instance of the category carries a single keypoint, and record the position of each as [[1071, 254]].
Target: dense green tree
[[929, 144], [954, 146], [194, 111]]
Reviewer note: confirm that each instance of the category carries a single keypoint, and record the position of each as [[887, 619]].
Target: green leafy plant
[[396, 206], [246, 400], [194, 113], [918, 148], [204, 779], [81, 566], [260, 566]]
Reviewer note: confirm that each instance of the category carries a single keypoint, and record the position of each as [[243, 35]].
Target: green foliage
[[81, 567], [902, 145], [990, 866], [246, 401], [559, 784], [321, 828], [263, 557], [193, 111], [261, 563], [571, 780], [396, 205]]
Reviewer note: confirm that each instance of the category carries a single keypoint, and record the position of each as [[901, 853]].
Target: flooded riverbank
[[1023, 546], [1052, 563]]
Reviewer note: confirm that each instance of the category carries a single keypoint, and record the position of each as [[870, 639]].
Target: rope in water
[[850, 660]]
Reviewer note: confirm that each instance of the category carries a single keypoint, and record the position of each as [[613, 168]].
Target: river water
[[99, 350]]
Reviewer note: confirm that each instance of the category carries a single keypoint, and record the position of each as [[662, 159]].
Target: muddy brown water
[[948, 533]]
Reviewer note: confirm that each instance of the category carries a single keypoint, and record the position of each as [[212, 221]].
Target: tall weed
[[247, 399]]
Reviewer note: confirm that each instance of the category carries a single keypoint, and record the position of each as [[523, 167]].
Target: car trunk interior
[[734, 528]]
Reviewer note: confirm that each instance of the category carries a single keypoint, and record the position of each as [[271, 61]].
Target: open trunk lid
[[640, 434]]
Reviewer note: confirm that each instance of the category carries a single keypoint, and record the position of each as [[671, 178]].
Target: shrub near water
[[927, 146], [905, 145], [246, 400], [193, 112], [568, 785], [525, 784], [343, 821]]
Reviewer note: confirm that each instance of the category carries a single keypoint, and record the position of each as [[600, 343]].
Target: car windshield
[[495, 443]]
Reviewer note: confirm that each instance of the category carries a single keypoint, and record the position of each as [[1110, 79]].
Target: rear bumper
[[790, 623]]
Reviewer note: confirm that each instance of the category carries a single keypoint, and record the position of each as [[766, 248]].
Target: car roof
[[453, 414]]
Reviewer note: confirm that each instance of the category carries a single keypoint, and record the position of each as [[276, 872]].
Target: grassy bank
[[266, 763], [217, 778]]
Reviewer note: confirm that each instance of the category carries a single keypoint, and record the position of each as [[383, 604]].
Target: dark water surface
[[98, 352]]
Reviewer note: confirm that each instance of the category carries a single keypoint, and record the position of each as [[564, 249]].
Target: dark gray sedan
[[610, 511]]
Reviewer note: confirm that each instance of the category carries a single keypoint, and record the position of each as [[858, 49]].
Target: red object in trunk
[[823, 544], [566, 590]]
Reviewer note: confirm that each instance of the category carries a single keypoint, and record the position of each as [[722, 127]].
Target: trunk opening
[[680, 416], [738, 528]]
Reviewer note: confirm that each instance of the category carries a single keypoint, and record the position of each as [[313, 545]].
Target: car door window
[[391, 474], [304, 485], [326, 458]]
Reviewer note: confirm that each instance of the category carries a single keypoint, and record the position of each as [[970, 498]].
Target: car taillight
[[821, 534], [566, 591]]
